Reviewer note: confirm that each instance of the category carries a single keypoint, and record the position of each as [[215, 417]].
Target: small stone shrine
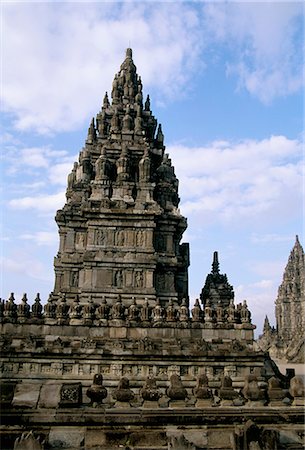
[[115, 358]]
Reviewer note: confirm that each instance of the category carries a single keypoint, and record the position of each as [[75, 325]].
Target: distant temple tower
[[290, 302], [286, 341], [121, 228]]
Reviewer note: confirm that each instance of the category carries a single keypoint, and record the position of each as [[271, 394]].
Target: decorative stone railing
[[119, 314]]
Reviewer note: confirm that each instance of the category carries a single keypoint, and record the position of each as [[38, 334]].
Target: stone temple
[[115, 359], [286, 341]]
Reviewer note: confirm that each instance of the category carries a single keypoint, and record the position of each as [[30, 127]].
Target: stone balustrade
[[118, 312]]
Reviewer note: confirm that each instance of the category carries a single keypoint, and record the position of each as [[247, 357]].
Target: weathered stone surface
[[26, 395], [66, 437], [49, 395]]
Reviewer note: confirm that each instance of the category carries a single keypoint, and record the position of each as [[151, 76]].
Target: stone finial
[[231, 314], [158, 313], [245, 315], [62, 310], [123, 393], [219, 312], [176, 390], [128, 52], [252, 392], [215, 264], [150, 391], [103, 310], [145, 311], [23, 309], [202, 391], [147, 104], [37, 307], [91, 133], [97, 392], [226, 392], [76, 309], [133, 311], [170, 312], [50, 308], [118, 309], [10, 308], [208, 312], [297, 391], [275, 392], [196, 312], [184, 314], [89, 311], [106, 100]]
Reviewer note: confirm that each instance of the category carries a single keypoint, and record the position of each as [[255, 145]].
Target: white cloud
[[41, 203], [262, 36], [23, 265], [65, 56], [240, 181], [41, 238]]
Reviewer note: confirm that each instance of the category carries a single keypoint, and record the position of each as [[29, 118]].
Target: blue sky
[[225, 81]]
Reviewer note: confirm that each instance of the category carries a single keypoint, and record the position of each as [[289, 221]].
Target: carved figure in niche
[[161, 282], [144, 166], [100, 237], [120, 238], [80, 239], [115, 123], [139, 279], [160, 243], [176, 391], [118, 278], [97, 392], [74, 279], [170, 282], [123, 393], [140, 238], [150, 392]]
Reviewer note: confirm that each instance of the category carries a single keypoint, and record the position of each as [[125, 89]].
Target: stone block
[[66, 437], [220, 439], [26, 395], [95, 438], [49, 395]]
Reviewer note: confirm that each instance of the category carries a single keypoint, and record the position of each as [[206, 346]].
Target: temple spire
[[215, 265]]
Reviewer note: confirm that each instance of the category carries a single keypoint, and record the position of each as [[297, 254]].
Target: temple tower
[[290, 302], [120, 229]]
